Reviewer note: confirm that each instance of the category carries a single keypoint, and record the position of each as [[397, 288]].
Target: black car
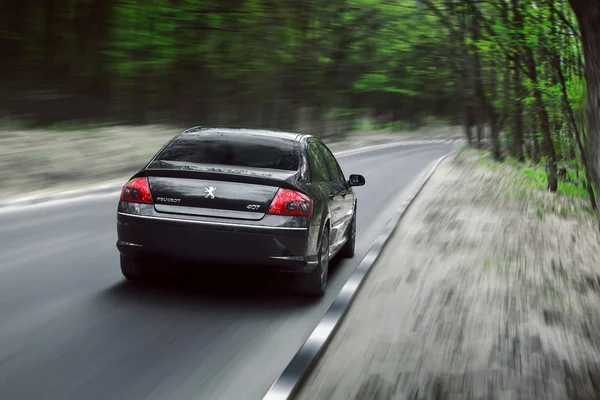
[[260, 199]]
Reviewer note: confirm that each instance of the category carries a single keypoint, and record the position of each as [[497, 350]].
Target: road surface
[[71, 328]]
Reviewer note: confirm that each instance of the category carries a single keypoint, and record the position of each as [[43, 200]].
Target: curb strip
[[69, 194], [110, 188], [289, 382]]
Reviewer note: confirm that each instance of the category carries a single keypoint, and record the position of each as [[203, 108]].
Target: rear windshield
[[238, 150]]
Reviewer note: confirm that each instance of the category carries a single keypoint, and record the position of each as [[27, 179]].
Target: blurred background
[[316, 66], [511, 73]]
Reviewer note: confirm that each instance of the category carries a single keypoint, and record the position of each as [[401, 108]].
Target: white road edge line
[[108, 190], [290, 380]]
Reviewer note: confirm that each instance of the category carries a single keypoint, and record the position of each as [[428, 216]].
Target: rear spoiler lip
[[283, 180]]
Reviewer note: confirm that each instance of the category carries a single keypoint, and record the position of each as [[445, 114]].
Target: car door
[[349, 198], [337, 196], [333, 202], [319, 176]]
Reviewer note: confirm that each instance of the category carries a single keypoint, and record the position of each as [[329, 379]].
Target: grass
[[528, 186], [536, 177]]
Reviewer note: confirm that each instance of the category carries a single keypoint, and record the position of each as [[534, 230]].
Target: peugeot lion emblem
[[210, 192]]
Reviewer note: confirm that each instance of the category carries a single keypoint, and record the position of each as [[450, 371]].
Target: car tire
[[132, 269], [314, 284], [348, 249]]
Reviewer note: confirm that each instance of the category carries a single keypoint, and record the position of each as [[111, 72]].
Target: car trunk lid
[[214, 190]]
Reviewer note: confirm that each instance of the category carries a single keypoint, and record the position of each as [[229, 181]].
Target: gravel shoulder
[[38, 162], [488, 289]]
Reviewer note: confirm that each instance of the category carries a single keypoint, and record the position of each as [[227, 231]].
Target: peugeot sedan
[[265, 200]]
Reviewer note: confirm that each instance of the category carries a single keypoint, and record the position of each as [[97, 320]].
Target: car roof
[[292, 136]]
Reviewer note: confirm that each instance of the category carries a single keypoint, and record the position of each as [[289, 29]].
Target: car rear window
[[249, 151]]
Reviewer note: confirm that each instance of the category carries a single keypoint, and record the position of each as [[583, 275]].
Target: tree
[[588, 17]]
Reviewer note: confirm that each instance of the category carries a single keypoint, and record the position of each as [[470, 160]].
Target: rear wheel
[[315, 283], [132, 268], [348, 249]]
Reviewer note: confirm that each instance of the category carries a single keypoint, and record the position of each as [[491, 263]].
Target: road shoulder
[[486, 289]]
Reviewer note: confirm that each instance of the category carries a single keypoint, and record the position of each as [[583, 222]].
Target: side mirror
[[356, 180]]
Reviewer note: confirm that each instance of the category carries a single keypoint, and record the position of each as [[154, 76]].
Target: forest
[[513, 71]]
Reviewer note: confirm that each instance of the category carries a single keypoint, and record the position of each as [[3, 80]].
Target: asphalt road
[[71, 328]]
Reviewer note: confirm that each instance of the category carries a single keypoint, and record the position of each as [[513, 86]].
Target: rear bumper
[[252, 246]]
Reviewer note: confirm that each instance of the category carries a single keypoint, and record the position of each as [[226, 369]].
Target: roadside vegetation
[[527, 183], [522, 72]]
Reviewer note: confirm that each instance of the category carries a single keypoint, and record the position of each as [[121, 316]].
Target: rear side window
[[317, 165], [334, 169], [249, 151]]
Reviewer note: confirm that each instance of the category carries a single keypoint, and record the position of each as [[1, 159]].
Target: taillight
[[290, 202], [137, 190]]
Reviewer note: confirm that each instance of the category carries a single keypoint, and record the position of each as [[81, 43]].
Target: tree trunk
[[100, 86], [477, 83], [573, 123], [483, 106], [518, 88], [588, 17], [536, 144], [494, 118], [506, 106], [518, 116], [49, 11], [469, 124], [547, 144]]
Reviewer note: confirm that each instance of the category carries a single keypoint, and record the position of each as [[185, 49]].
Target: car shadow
[[224, 287]]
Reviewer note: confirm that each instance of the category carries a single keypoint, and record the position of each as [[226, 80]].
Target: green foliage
[[324, 65], [536, 177], [246, 58]]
